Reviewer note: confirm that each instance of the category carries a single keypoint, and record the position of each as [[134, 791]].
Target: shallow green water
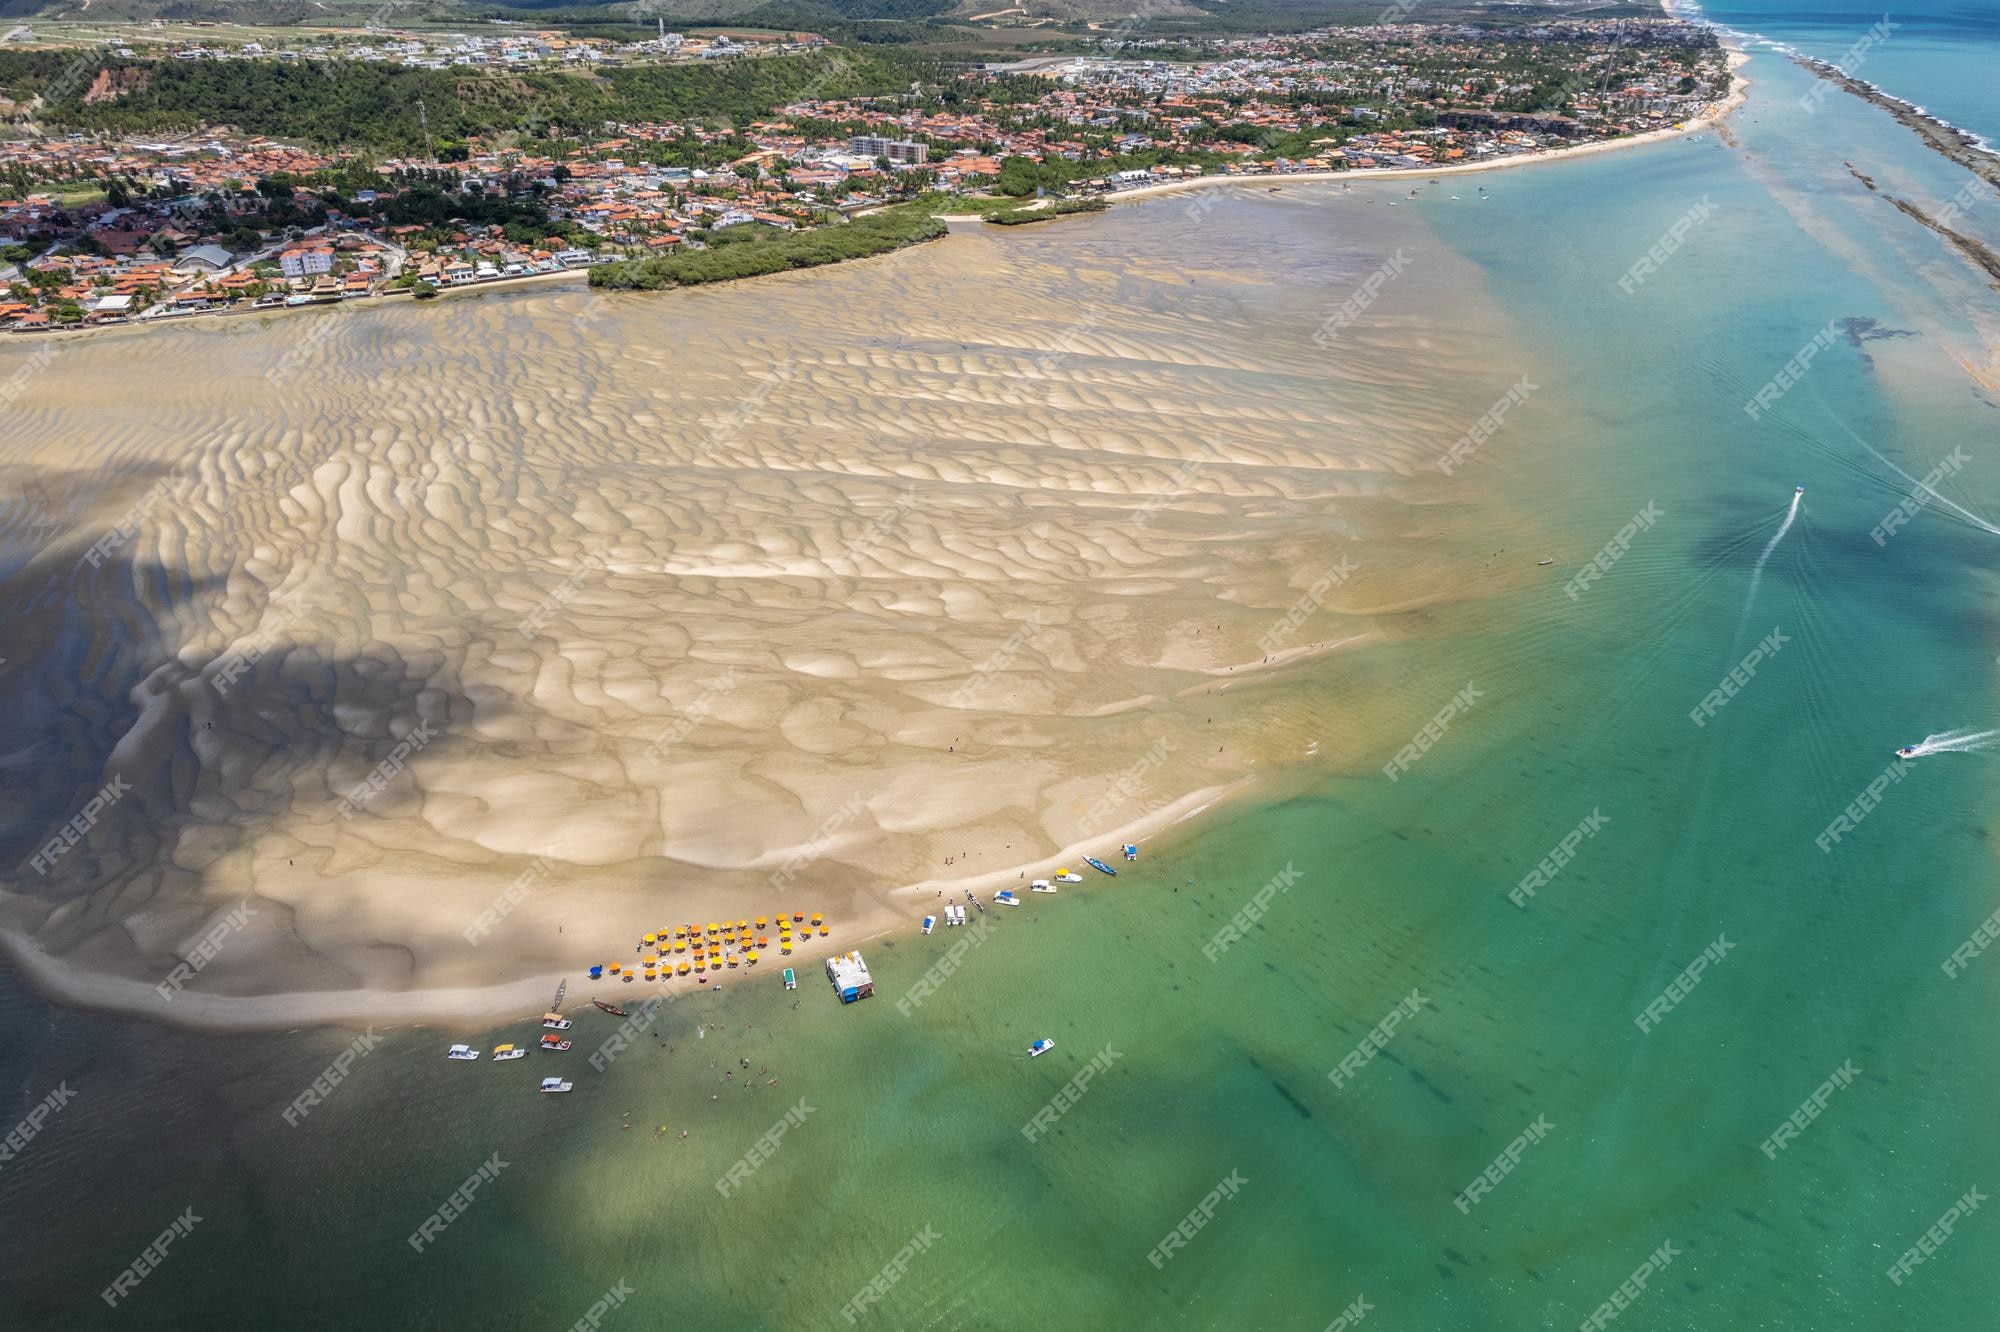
[[1221, 1066]]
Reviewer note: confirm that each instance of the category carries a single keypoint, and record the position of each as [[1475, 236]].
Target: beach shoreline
[[891, 907], [469, 1010], [1708, 119]]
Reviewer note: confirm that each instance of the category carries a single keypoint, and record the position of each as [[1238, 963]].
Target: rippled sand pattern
[[867, 580]]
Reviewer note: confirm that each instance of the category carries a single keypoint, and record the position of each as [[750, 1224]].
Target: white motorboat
[[1064, 876], [930, 923], [1041, 886], [1005, 897], [461, 1052], [1041, 1047]]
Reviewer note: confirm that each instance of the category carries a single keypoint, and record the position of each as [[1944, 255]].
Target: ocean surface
[[1635, 1139], [1940, 56]]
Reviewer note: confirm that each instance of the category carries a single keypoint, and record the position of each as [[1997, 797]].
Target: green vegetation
[[769, 250], [1014, 217], [375, 104]]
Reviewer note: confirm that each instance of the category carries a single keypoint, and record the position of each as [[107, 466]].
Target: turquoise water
[[1939, 56], [1220, 1068]]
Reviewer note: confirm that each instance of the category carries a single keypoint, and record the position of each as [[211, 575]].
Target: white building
[[850, 977]]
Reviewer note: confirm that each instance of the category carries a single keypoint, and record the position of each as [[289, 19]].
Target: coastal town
[[98, 229]]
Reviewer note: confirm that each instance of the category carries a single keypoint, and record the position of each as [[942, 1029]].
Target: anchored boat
[[1041, 1047], [1005, 897], [1100, 866], [1041, 886], [612, 1009], [930, 923], [505, 1052], [554, 1085], [556, 1021], [461, 1052]]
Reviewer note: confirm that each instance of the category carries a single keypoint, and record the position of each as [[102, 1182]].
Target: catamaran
[[504, 1052], [461, 1052], [554, 1085], [555, 1020]]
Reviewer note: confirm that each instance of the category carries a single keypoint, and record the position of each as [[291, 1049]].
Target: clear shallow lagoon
[[1222, 1066]]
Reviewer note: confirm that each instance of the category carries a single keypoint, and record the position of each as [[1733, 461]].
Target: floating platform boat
[[1041, 1047], [930, 923], [461, 1052], [850, 977], [612, 1009], [505, 1052], [554, 1085], [1100, 866]]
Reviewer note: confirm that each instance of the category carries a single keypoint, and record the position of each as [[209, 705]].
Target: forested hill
[[375, 105]]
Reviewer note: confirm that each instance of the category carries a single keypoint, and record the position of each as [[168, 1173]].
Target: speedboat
[[1798, 490], [1907, 751], [554, 1085], [1005, 897], [930, 923], [1100, 866], [1041, 1047], [461, 1052], [1064, 876], [501, 1052]]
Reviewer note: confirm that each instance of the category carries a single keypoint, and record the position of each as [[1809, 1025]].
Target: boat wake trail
[[1757, 573], [1964, 740], [1927, 488]]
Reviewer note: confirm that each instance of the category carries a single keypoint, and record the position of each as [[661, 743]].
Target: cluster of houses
[[186, 226], [415, 49]]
